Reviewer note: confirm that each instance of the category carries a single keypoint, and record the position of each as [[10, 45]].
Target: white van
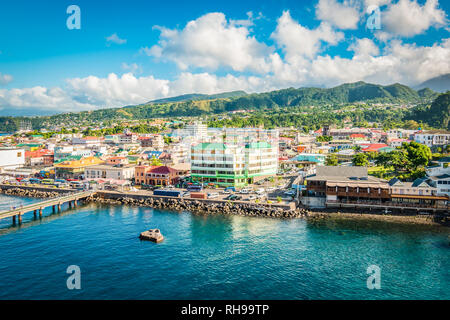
[[213, 195], [260, 191]]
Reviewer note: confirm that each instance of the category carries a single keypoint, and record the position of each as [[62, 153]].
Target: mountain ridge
[[199, 104], [439, 84]]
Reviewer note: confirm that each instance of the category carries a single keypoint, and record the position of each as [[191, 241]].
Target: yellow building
[[74, 169]]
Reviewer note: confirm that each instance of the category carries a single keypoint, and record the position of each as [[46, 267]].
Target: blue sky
[[165, 48]]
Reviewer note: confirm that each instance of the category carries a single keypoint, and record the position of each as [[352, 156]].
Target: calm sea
[[216, 257]]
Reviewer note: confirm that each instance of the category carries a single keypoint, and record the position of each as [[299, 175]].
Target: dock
[[37, 208]]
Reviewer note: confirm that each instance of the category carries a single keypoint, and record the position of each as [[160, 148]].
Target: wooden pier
[[37, 208]]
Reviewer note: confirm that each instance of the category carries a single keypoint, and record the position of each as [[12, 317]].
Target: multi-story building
[[332, 185], [86, 141], [75, 169], [117, 172], [197, 130], [155, 141], [420, 192], [179, 153], [441, 166], [232, 164], [353, 188], [11, 158], [128, 138], [434, 138], [42, 157], [157, 175]]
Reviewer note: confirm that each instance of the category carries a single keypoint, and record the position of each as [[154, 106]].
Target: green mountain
[[439, 84], [199, 96], [436, 115], [199, 104]]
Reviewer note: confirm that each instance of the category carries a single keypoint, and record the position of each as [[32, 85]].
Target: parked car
[[252, 197], [213, 195], [289, 193], [245, 191], [260, 191], [185, 194], [233, 197]]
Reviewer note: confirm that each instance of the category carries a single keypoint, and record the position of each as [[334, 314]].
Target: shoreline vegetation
[[246, 209]]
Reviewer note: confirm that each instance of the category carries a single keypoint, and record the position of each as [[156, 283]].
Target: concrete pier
[[44, 204]]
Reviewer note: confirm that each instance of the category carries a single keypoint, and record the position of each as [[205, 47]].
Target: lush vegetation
[[437, 114], [406, 162], [310, 108]]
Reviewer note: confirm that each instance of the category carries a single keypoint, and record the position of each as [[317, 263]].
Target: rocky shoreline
[[429, 220], [242, 209], [200, 207], [19, 192]]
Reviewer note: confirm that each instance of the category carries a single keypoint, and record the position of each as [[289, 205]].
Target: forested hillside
[[198, 104]]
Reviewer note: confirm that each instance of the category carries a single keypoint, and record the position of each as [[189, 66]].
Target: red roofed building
[[41, 157], [157, 175], [117, 160], [374, 147], [357, 136]]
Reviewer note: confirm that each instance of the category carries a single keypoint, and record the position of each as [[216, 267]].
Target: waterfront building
[[157, 175], [228, 164], [75, 169], [420, 192], [103, 171], [442, 184], [334, 184], [11, 158]]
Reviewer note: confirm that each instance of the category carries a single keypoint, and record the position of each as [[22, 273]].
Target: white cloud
[[5, 78], [408, 18], [211, 42], [379, 3], [364, 47], [298, 41], [343, 15], [114, 38], [133, 68]]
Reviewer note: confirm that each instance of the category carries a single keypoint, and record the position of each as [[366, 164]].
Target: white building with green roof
[[236, 165]]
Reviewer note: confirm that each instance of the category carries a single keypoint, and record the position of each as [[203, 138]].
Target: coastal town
[[367, 170]]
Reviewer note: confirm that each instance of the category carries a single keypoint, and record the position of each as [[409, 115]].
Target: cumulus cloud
[[298, 58], [343, 15], [408, 18], [299, 41], [5, 78], [114, 38], [364, 47], [133, 67], [212, 41]]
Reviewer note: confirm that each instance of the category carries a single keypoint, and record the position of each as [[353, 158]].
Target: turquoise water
[[216, 257]]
